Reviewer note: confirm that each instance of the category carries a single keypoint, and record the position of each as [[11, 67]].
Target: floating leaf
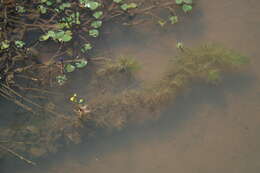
[[4, 44], [81, 64], [92, 5], [20, 9], [93, 32], [98, 14], [70, 68], [117, 1], [173, 19], [19, 43], [179, 45], [162, 23], [128, 6], [187, 1], [49, 3], [186, 8], [132, 5], [42, 9], [63, 36], [44, 37], [61, 79], [86, 47], [96, 24], [64, 5], [178, 2]]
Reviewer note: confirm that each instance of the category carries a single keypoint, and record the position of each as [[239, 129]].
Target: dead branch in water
[[17, 155]]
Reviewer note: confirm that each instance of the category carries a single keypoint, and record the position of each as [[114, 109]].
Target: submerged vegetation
[[115, 110], [45, 46]]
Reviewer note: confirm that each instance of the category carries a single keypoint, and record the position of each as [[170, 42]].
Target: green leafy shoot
[[61, 79], [81, 64], [86, 47], [4, 44], [179, 45], [96, 24], [19, 43], [42, 9], [93, 33], [61, 36], [173, 19], [20, 9], [98, 14], [162, 22]]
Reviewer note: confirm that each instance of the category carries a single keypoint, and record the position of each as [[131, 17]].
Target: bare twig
[[17, 155]]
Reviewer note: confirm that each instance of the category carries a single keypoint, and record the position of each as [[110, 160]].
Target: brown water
[[209, 129]]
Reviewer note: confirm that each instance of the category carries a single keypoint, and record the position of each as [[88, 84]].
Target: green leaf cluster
[[93, 33], [61, 79], [92, 5], [60, 35], [186, 5], [126, 6], [98, 14], [19, 43], [96, 24], [72, 67]]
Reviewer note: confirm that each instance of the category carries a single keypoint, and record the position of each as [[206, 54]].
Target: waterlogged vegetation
[[47, 45]]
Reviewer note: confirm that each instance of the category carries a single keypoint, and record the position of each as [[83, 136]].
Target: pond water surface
[[209, 129]]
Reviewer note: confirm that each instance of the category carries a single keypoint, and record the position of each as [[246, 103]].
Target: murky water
[[209, 129]]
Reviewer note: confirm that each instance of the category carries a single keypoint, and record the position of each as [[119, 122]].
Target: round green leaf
[[98, 14], [70, 68], [92, 5], [186, 8]]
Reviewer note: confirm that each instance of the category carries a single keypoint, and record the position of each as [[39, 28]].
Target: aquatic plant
[[207, 63]]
